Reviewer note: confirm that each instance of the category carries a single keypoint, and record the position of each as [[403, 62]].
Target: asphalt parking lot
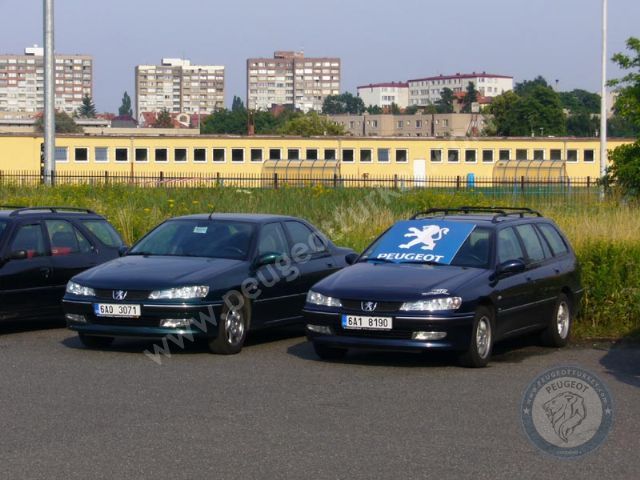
[[275, 411]]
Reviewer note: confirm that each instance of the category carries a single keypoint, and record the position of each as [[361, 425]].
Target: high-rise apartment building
[[179, 87], [426, 91], [22, 81], [290, 78]]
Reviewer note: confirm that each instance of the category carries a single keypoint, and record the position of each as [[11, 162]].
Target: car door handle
[[45, 271]]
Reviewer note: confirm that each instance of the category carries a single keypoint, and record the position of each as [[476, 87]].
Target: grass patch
[[605, 234]]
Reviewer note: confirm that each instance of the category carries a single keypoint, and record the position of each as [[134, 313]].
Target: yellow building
[[419, 157]]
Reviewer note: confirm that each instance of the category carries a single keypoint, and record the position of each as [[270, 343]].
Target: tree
[[533, 108], [445, 104], [226, 121], [64, 124], [87, 109], [237, 105], [618, 126], [411, 110], [343, 103], [470, 98], [580, 101], [583, 124], [624, 170], [125, 108], [374, 109], [394, 108], [163, 120], [311, 124]]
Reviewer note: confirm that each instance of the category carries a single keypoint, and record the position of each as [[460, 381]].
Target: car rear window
[[558, 247], [3, 226], [104, 232], [531, 241]]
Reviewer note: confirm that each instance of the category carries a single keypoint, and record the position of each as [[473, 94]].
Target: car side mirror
[[266, 259], [122, 250], [18, 255], [511, 267], [351, 258]]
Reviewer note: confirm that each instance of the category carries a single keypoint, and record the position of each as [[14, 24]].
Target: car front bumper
[[458, 330], [203, 320]]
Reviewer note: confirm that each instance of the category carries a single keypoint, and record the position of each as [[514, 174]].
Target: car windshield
[[198, 238], [435, 242]]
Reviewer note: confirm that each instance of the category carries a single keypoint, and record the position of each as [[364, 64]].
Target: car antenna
[[211, 215]]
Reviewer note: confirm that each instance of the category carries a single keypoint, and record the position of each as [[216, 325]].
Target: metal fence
[[486, 185]]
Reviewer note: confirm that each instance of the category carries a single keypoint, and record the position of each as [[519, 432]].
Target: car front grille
[[381, 307], [132, 295]]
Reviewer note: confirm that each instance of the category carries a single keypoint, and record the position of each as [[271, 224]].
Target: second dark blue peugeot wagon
[[450, 279]]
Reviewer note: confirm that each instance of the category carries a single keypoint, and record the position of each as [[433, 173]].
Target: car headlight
[[433, 304], [316, 298], [76, 289], [196, 291]]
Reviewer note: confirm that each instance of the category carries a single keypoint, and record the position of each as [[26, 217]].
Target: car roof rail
[[499, 212], [11, 207], [20, 210]]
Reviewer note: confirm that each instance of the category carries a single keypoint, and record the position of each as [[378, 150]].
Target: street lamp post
[[603, 100], [49, 92]]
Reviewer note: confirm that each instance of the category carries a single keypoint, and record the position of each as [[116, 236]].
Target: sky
[[377, 40]]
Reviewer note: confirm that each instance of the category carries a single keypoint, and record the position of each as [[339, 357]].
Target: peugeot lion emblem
[[119, 294], [369, 306]]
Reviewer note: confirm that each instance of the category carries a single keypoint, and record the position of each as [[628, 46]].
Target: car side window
[[272, 240], [301, 234], [66, 239], [508, 246], [532, 245], [30, 239], [104, 231], [558, 246]]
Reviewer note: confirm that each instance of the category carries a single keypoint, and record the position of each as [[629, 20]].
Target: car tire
[[559, 328], [479, 351], [94, 341], [329, 353], [232, 330]]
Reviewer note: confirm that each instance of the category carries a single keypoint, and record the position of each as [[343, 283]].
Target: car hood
[[395, 282], [154, 272]]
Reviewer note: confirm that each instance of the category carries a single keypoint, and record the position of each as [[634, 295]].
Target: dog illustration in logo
[[565, 411], [428, 236]]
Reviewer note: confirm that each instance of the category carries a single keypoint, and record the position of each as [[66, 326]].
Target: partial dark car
[[41, 248], [450, 279], [204, 276]]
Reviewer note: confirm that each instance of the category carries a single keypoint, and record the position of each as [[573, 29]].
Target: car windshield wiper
[[423, 262], [140, 253], [381, 260]]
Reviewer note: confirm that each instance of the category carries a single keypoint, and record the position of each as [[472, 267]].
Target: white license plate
[[116, 310], [354, 322]]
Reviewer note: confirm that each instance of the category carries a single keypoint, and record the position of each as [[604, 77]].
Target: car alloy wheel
[[563, 316], [232, 330], [234, 326], [483, 337], [558, 329]]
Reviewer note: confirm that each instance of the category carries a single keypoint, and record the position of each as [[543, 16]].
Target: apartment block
[[426, 91], [179, 87], [290, 78], [22, 81], [385, 94], [418, 125]]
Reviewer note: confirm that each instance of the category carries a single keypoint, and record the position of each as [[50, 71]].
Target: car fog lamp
[[73, 317], [175, 322], [323, 329], [429, 335]]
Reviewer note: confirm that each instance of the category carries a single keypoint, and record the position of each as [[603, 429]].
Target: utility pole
[[603, 103], [49, 92]]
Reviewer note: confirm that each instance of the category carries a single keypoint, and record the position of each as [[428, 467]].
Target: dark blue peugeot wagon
[[450, 279]]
